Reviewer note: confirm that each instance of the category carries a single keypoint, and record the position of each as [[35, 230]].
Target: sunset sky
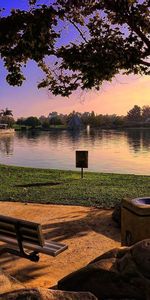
[[116, 97]]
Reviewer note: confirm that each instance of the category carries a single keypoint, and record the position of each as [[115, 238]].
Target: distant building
[[3, 126], [75, 123]]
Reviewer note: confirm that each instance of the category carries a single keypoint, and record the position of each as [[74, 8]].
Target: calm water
[[109, 150]]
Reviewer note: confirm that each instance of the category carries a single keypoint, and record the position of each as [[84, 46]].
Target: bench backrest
[[29, 232]]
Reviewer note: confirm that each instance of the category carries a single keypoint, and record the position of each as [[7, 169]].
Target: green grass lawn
[[66, 187]]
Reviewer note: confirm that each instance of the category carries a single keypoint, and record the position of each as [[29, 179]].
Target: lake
[[113, 151]]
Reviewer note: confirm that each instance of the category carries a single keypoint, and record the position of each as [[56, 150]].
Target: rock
[[45, 294], [11, 289], [141, 256], [116, 215], [122, 273], [116, 252]]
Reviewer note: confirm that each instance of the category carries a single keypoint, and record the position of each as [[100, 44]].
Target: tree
[[114, 37], [20, 121], [55, 121], [7, 120], [6, 117], [6, 112], [146, 112], [134, 114], [32, 121], [85, 117]]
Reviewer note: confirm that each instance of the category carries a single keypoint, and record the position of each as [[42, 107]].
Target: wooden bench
[[21, 236]]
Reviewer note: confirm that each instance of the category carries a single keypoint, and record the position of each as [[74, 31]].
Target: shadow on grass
[[38, 184], [98, 221]]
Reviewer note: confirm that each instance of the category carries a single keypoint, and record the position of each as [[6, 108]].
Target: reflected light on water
[[88, 129]]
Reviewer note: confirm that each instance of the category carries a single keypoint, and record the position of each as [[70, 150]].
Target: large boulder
[[122, 273], [11, 289], [45, 294]]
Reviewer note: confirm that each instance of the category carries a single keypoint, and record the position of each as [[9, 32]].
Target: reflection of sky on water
[[109, 150]]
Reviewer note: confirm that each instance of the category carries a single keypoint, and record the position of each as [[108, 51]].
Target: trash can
[[135, 220]]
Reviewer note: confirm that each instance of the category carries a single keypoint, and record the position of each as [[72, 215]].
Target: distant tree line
[[137, 116]]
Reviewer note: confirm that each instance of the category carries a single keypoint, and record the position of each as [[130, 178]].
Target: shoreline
[[76, 130], [7, 131]]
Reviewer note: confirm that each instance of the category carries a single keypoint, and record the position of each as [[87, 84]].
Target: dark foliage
[[113, 37]]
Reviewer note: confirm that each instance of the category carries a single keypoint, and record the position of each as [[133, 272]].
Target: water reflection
[[6, 144], [139, 139], [146, 140], [134, 138], [121, 151]]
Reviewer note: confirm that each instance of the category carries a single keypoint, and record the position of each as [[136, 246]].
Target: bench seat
[[49, 248], [26, 235]]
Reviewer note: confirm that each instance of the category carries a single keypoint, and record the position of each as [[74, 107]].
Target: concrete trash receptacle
[[135, 220]]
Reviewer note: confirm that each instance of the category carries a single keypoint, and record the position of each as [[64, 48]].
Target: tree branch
[[141, 35], [129, 19], [145, 63], [146, 53], [74, 24]]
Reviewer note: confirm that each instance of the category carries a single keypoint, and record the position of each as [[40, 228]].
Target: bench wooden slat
[[25, 238], [8, 234], [47, 247], [50, 248], [10, 220], [7, 228], [56, 244], [25, 231], [29, 231]]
